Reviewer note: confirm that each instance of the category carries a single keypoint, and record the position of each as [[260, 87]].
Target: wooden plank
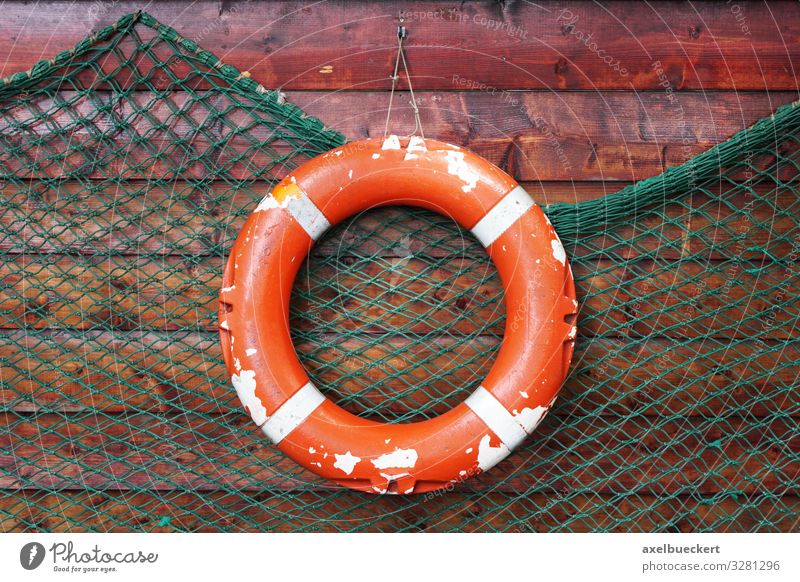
[[560, 135], [77, 511], [340, 45], [114, 372], [498, 120], [741, 301], [569, 511], [145, 450], [642, 454], [655, 455], [418, 295], [96, 292], [662, 377], [156, 372], [688, 299], [136, 371], [191, 220], [726, 225], [466, 118], [170, 293], [147, 136], [207, 512], [137, 218], [533, 136]]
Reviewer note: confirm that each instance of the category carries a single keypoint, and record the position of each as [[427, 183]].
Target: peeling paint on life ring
[[313, 430]]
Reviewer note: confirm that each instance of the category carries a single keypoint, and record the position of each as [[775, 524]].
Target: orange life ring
[[518, 390]]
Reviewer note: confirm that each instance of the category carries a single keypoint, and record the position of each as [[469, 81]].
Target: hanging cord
[[402, 33]]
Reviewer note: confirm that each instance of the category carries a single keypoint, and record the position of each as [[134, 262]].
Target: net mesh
[[127, 167]]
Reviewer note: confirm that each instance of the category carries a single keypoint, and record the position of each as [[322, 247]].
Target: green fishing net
[[127, 166]]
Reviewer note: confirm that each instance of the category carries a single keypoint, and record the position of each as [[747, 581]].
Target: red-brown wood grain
[[129, 374], [159, 511], [627, 300], [350, 45], [534, 136], [185, 219], [165, 452]]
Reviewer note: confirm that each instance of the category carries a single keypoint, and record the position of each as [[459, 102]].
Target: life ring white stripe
[[302, 209], [293, 412], [500, 218], [306, 213], [499, 420]]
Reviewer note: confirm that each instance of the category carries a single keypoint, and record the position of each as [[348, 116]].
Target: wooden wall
[[501, 78], [575, 99]]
